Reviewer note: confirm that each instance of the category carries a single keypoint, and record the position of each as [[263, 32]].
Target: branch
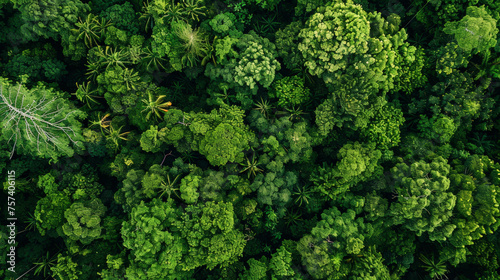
[[40, 121]]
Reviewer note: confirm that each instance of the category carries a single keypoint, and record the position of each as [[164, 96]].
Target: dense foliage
[[251, 139]]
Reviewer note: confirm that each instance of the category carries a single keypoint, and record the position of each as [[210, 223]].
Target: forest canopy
[[250, 139]]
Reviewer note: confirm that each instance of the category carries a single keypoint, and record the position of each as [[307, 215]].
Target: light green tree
[[66, 268], [84, 221], [336, 248], [323, 46], [424, 203], [189, 188], [49, 211], [243, 64], [438, 128], [290, 91], [38, 121], [280, 262], [357, 163], [257, 269], [171, 243], [224, 144], [149, 140], [151, 243], [384, 128], [476, 213], [475, 31]]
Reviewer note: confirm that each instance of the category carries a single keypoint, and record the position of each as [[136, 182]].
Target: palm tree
[[84, 93], [131, 79], [303, 195], [31, 223], [153, 61], [193, 43], [154, 107], [293, 218], [102, 122], [88, 30], [210, 54], [102, 26], [45, 264], [172, 12], [490, 66], [292, 112], [436, 270], [110, 57], [114, 135], [148, 15], [189, 156], [168, 187], [263, 107], [93, 69], [252, 167], [193, 9]]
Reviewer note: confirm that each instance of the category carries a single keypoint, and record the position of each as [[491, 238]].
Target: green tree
[[150, 242], [40, 63], [355, 50], [182, 240], [189, 188], [282, 139], [359, 56], [49, 212], [280, 263], [438, 128], [424, 203], [115, 37], [150, 141], [82, 185], [224, 23], [347, 110], [38, 121], [322, 39], [275, 188], [384, 128], [65, 268], [336, 248], [47, 183], [221, 136], [225, 144], [444, 11], [130, 194], [483, 253], [290, 91], [242, 64], [84, 221], [50, 18], [257, 269], [476, 31], [287, 42], [358, 163], [256, 62], [476, 212], [459, 98], [123, 17], [211, 185]]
